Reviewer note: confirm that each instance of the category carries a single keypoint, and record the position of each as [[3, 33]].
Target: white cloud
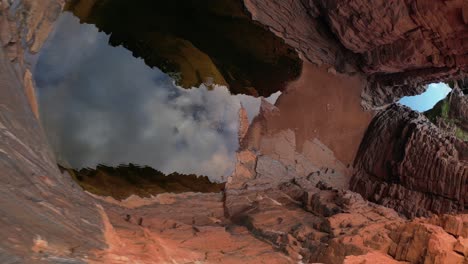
[[105, 106]]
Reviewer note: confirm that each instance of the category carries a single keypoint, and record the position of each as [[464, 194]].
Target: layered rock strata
[[459, 108], [44, 217], [309, 214], [24, 27], [406, 163], [283, 204], [120, 182], [197, 42], [400, 45], [451, 114]]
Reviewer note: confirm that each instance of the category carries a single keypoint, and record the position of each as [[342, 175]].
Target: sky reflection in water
[[99, 104]]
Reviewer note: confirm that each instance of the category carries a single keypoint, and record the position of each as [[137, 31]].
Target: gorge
[[322, 165]]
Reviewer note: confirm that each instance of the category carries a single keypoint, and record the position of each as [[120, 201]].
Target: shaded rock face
[[311, 217], [197, 42], [45, 217], [324, 105], [459, 110], [401, 36], [283, 204], [24, 27], [125, 180], [451, 114], [400, 45], [407, 164]]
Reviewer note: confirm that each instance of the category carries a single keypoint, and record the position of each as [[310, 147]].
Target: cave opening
[[197, 40], [438, 104], [127, 116], [435, 92]]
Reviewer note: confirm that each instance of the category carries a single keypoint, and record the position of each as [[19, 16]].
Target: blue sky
[[426, 101]]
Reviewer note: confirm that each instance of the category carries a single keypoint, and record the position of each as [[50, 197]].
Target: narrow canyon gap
[[329, 168]]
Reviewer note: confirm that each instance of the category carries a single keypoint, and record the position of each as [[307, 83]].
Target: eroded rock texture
[[120, 182], [24, 27], [44, 216], [288, 199], [459, 109], [308, 214], [182, 228], [407, 164], [400, 45], [197, 42], [451, 114]]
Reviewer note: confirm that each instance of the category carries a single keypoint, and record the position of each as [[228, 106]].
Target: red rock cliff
[[406, 163], [283, 204], [399, 45]]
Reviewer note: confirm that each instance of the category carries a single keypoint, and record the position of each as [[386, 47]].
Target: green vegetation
[[461, 134], [442, 111]]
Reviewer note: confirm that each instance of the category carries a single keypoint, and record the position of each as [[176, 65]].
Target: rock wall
[[197, 42], [322, 105], [406, 163], [24, 27], [45, 217], [400, 45], [283, 204], [283, 198], [459, 108]]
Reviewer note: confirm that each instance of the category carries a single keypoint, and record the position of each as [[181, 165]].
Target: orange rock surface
[[292, 197]]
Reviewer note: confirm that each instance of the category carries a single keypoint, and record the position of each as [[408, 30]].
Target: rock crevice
[[290, 198]]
